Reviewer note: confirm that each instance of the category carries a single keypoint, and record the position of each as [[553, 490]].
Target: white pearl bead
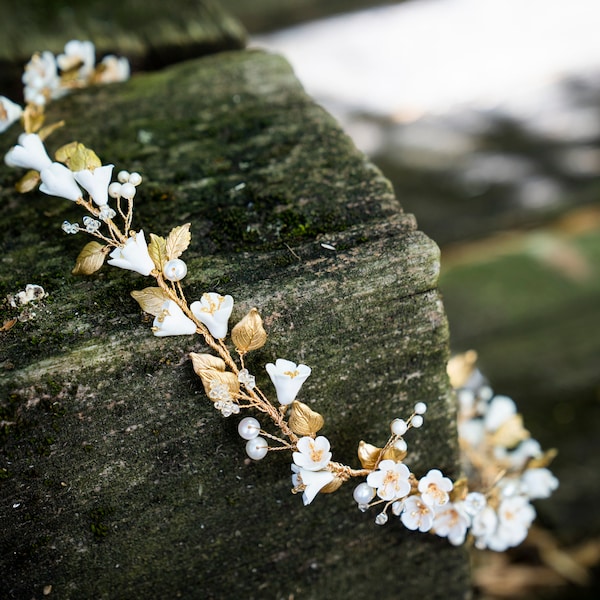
[[175, 270], [257, 448], [135, 179], [417, 421], [128, 191], [400, 445], [363, 493], [123, 176], [249, 428], [420, 408], [114, 190], [399, 427]]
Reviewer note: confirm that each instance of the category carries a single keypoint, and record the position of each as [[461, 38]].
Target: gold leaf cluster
[[77, 157], [150, 299], [211, 369], [90, 259], [303, 420], [28, 182], [249, 333]]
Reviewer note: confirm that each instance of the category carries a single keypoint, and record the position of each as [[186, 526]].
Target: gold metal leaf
[[394, 454], [510, 433], [249, 333], [28, 182], [150, 299], [48, 130], [201, 362], [544, 460], [368, 455], [90, 259], [460, 490], [77, 157], [303, 420], [158, 251], [332, 486], [461, 367], [178, 241], [33, 118]]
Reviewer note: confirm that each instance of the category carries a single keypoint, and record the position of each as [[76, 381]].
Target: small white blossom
[[390, 480], [287, 377], [95, 182], [9, 113], [499, 410], [310, 483], [474, 503], [58, 180], [417, 514], [538, 483], [451, 521], [213, 310], [313, 454], [113, 69], [172, 321], [29, 153], [78, 55], [434, 488], [133, 255], [41, 79]]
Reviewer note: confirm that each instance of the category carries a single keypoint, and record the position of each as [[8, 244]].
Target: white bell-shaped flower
[[80, 54], [113, 69], [287, 377], [213, 310], [172, 321], [58, 180], [29, 153], [95, 182], [133, 256], [9, 113], [310, 482]]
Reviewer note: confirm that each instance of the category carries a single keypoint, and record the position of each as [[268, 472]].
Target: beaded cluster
[[504, 468]]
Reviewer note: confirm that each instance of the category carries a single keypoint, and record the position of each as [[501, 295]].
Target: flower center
[[292, 374]]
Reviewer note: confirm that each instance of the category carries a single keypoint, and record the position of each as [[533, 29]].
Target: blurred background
[[485, 115]]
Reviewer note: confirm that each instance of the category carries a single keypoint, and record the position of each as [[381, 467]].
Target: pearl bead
[[417, 421], [123, 176], [400, 445], [363, 493], [135, 179], [128, 191], [175, 270], [420, 408], [257, 448], [249, 428], [114, 190], [399, 427]]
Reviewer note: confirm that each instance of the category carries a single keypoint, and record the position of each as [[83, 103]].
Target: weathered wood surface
[[119, 477]]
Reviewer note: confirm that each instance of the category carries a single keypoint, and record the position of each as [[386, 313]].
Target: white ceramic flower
[[113, 69], [515, 515], [499, 410], [80, 55], [95, 182], [172, 321], [9, 113], [214, 311], [58, 180], [133, 256], [538, 483], [434, 488], [287, 377], [29, 153], [41, 79], [417, 514], [390, 480], [313, 454], [452, 522], [310, 482]]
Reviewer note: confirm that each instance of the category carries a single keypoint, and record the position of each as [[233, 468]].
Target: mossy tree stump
[[119, 477]]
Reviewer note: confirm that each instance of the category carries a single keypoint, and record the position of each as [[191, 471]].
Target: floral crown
[[504, 468]]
